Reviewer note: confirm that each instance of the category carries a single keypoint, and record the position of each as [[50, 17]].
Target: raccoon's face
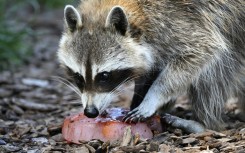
[[101, 58]]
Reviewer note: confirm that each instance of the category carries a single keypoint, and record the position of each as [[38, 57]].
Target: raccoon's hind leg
[[188, 126], [241, 104], [208, 100]]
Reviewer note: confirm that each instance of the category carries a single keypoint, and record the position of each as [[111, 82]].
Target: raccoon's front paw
[[137, 115]]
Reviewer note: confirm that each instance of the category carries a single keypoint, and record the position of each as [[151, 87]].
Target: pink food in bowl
[[106, 127]]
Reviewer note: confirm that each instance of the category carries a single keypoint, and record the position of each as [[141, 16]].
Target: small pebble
[[40, 140], [82, 149], [58, 138], [52, 142], [242, 132], [17, 109], [11, 148], [90, 148], [33, 151], [2, 142], [35, 82], [207, 138], [189, 140], [5, 93], [153, 146]]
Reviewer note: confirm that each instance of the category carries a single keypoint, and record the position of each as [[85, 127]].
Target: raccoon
[[166, 47]]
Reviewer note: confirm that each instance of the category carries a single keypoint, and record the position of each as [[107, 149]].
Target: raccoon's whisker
[[71, 87], [119, 93], [124, 82], [73, 104], [142, 84], [67, 83], [107, 97], [70, 84]]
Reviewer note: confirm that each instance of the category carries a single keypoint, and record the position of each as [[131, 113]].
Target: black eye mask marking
[[76, 78], [104, 77], [103, 82], [107, 81]]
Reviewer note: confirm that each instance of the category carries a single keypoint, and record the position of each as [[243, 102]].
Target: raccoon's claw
[[134, 116], [130, 117]]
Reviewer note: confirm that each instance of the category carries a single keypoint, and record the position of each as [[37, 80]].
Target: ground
[[33, 105]]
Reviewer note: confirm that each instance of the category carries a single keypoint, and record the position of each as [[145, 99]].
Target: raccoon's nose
[[91, 112]]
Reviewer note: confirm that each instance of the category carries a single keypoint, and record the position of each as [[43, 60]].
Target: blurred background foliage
[[15, 33]]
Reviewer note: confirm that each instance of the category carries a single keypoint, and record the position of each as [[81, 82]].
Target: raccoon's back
[[184, 18], [228, 17]]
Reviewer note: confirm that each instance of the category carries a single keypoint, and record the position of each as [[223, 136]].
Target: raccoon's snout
[[91, 111]]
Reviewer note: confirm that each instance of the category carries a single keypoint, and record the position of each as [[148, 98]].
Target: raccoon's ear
[[118, 19], [72, 18]]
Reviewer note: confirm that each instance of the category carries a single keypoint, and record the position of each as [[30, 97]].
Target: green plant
[[15, 38], [54, 3], [12, 49]]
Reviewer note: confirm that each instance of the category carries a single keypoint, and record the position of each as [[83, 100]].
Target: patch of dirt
[[33, 105]]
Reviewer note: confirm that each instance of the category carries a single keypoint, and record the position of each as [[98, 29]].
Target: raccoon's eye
[[104, 77], [78, 78]]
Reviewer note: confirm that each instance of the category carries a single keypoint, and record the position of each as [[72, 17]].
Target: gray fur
[[198, 47]]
